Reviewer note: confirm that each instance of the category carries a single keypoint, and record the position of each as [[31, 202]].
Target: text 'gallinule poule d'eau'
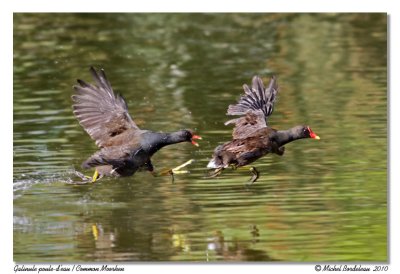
[[124, 147], [252, 137]]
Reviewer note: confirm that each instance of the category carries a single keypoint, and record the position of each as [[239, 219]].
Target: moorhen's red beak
[[195, 137], [313, 135]]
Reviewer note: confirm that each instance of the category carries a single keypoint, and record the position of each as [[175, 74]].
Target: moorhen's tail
[[214, 164], [217, 160]]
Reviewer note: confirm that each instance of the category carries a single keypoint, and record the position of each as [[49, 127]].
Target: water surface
[[322, 201]]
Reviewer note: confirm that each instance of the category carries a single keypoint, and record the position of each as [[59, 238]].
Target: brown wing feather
[[102, 114], [256, 105], [248, 124], [258, 140], [115, 156]]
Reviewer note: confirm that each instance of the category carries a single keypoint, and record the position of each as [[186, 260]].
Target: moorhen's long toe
[[124, 147], [252, 137]]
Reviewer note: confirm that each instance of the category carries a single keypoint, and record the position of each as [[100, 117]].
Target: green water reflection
[[321, 201]]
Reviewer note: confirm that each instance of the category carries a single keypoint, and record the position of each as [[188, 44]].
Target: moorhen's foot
[[83, 182], [215, 173], [176, 170], [85, 179], [82, 176], [256, 175]]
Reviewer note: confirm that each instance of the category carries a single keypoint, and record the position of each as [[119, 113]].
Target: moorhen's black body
[[124, 147], [252, 137]]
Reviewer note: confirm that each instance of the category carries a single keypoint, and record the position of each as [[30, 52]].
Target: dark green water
[[322, 201]]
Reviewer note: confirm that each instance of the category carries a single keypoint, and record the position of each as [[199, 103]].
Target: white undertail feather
[[212, 164]]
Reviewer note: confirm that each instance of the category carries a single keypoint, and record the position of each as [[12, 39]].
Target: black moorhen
[[252, 137], [124, 147]]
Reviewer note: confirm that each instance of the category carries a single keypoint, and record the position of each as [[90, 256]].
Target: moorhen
[[252, 137], [124, 147]]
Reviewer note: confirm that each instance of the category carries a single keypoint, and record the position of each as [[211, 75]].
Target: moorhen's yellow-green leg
[[95, 176], [255, 176], [95, 232], [86, 179]]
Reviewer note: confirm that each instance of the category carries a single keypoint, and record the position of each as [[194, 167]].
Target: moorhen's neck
[[157, 140], [286, 136], [174, 138]]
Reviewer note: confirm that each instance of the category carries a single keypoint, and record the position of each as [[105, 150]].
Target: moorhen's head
[[189, 136], [306, 132]]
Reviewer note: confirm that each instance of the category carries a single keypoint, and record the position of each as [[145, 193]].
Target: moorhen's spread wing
[[103, 114], [256, 105]]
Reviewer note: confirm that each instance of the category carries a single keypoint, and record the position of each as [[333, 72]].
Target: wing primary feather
[[103, 114], [256, 104]]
